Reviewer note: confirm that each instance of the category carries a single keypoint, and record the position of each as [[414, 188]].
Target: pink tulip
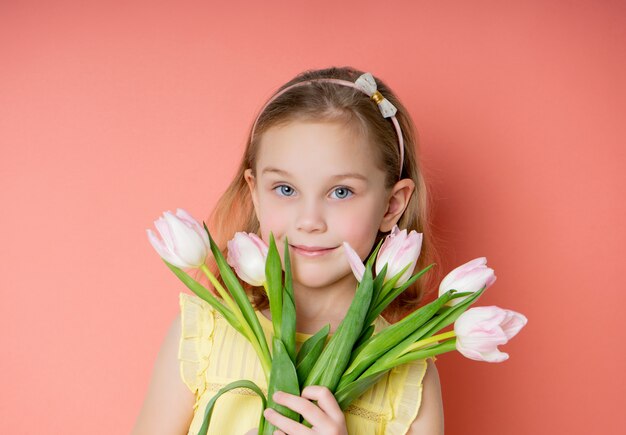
[[358, 269], [247, 254], [185, 243], [399, 250], [480, 330], [469, 277]]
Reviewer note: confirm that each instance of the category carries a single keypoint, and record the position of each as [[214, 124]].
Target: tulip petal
[[233, 255], [188, 244], [479, 318], [199, 229], [513, 323], [164, 252], [389, 252], [469, 277], [168, 244], [247, 254], [492, 356], [460, 270], [260, 243], [182, 240], [492, 278], [356, 264], [398, 251], [496, 356], [410, 250], [481, 330], [482, 340], [468, 352], [164, 230]]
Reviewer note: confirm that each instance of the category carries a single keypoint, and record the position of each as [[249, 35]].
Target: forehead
[[321, 148]]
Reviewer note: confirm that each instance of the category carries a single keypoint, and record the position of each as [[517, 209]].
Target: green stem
[[267, 365], [220, 289], [427, 341]]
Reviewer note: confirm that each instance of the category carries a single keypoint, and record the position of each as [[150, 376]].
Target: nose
[[311, 217]]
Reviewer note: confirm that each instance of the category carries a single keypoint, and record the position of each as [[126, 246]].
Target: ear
[[251, 181], [397, 202]]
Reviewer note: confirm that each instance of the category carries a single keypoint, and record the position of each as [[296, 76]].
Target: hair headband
[[366, 84]]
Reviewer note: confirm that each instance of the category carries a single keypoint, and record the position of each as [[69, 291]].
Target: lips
[[312, 251]]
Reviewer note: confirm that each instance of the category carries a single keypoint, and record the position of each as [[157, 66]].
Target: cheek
[[271, 218], [361, 237], [360, 228]]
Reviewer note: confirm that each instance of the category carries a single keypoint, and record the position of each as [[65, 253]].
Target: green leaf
[[239, 295], [345, 396], [372, 258], [283, 377], [273, 275], [434, 325], [237, 384], [367, 333], [451, 315], [288, 336], [374, 348], [380, 278], [447, 308], [390, 284], [384, 366], [446, 346], [310, 352], [289, 309], [379, 282], [390, 296], [206, 295], [336, 355]]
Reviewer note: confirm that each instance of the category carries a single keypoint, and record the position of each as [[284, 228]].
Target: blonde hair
[[323, 101]]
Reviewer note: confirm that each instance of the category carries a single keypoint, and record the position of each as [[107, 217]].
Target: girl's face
[[317, 185]]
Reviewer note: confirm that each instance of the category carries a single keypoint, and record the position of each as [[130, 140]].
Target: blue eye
[[345, 191], [286, 190]]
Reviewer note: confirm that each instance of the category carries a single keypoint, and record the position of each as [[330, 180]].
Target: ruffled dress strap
[[391, 405], [406, 393], [196, 341]]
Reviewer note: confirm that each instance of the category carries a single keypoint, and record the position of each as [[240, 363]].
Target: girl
[[330, 158]]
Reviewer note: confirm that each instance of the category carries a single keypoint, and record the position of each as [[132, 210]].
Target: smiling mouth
[[312, 252]]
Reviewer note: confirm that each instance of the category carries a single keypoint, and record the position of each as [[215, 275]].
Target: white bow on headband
[[367, 84]]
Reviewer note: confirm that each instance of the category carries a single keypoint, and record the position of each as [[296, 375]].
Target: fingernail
[[277, 396]]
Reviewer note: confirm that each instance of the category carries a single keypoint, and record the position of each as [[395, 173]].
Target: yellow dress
[[213, 354]]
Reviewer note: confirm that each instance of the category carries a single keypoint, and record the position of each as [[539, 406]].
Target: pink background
[[111, 114]]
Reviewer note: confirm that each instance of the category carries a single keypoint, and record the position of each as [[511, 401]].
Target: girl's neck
[[317, 307]]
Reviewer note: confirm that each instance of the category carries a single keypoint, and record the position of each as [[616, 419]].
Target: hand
[[254, 431], [326, 417]]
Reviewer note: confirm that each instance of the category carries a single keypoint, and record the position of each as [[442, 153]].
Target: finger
[[279, 432], [302, 406], [286, 424], [325, 400]]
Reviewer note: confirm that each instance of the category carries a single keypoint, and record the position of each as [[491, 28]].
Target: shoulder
[[168, 406], [430, 414]]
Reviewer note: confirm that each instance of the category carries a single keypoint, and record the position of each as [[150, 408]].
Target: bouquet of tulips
[[354, 358]]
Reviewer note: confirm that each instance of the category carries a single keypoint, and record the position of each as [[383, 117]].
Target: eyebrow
[[334, 177]]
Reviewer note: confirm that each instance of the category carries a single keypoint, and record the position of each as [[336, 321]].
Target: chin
[[313, 280], [315, 277]]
